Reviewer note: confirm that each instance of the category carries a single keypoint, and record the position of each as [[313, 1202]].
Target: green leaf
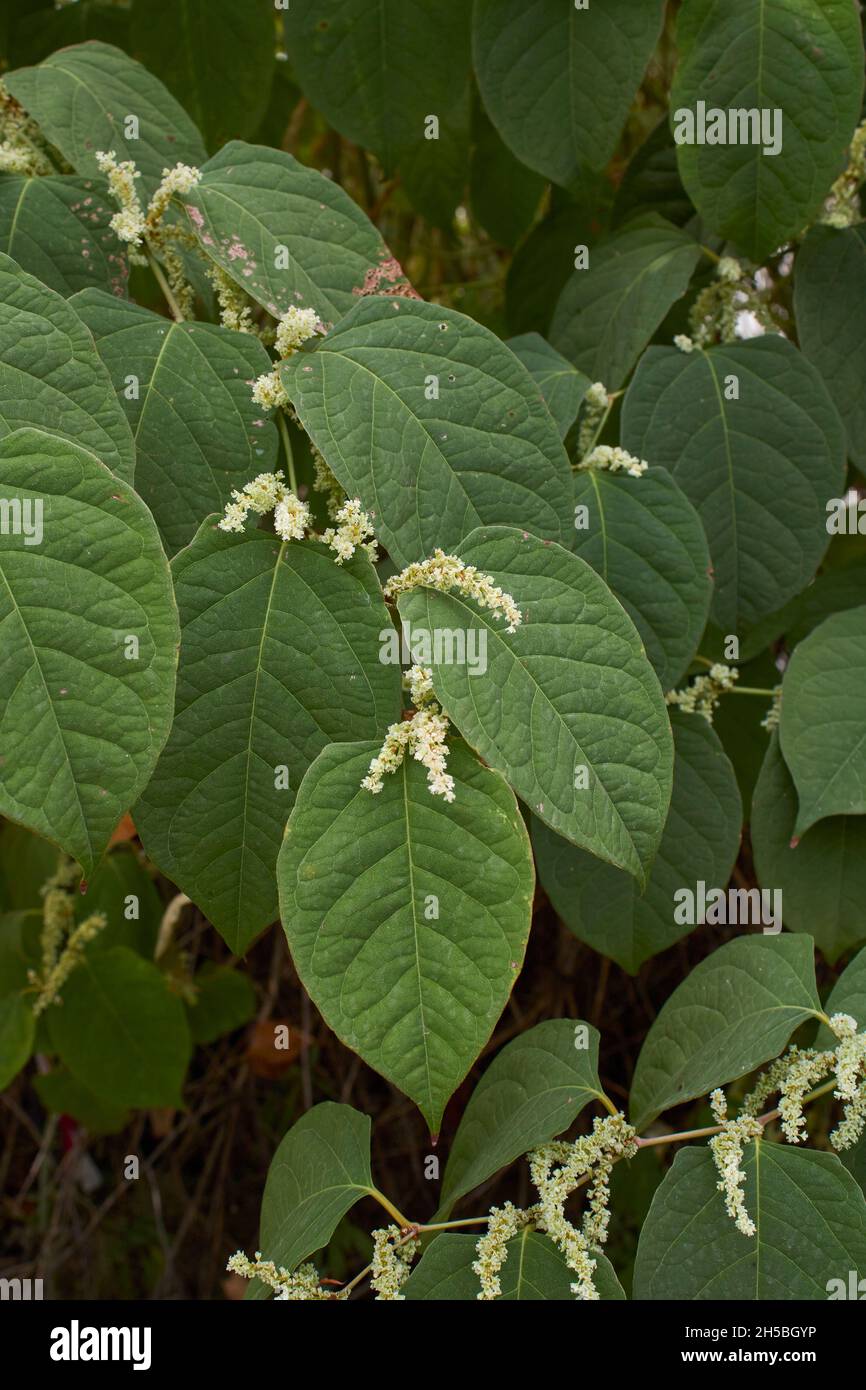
[[121, 1032], [20, 933], [51, 376], [62, 1094], [84, 712], [279, 657], [26, 861], [758, 468], [557, 81], [225, 1001], [504, 194], [602, 905], [822, 877], [198, 433], [215, 56], [567, 707], [821, 730], [561, 385], [736, 1010], [810, 1215], [529, 1094], [848, 996], [645, 539], [377, 73], [607, 314], [56, 228], [485, 449], [734, 54], [287, 234], [652, 181], [82, 98], [534, 1270], [830, 307], [319, 1171], [17, 1031], [407, 916], [544, 262]]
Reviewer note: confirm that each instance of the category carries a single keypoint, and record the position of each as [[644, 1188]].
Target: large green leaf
[[63, 1094], [545, 260], [287, 234], [56, 227], [743, 56], [529, 1094], [215, 56], [602, 905], [561, 385], [848, 996], [90, 639], [558, 81], [82, 98], [17, 1030], [821, 876], [198, 433], [811, 1228], [121, 1031], [51, 375], [568, 707], [822, 731], [652, 180], [504, 194], [645, 539], [319, 1171], [429, 467], [607, 314], [758, 468], [830, 307], [378, 72], [407, 916], [279, 657], [534, 1270], [736, 1010]]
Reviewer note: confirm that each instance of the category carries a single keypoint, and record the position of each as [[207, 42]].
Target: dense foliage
[[432, 503]]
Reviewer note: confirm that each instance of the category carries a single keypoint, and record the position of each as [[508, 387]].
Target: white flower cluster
[[392, 1263], [22, 147], [235, 308], [792, 1076], [842, 208], [129, 224], [353, 532], [182, 178], [702, 696], [557, 1170], [423, 736], [771, 719], [595, 404], [718, 311], [301, 1286], [62, 943], [614, 460], [445, 572], [295, 327], [683, 342], [325, 483]]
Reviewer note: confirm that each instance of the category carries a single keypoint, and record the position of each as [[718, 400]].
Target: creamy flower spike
[[62, 943], [446, 572], [423, 736], [391, 1266], [129, 224], [595, 404], [295, 327], [703, 695], [727, 1151], [301, 1286], [614, 460], [293, 520]]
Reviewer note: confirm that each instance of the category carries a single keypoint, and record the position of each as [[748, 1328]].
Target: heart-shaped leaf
[[407, 916], [558, 79], [645, 539], [754, 441], [186, 391], [51, 375], [735, 1011], [821, 731], [93, 97], [433, 423], [90, 645], [288, 235], [765, 180], [252, 714], [567, 707], [602, 905], [529, 1094], [811, 1229], [56, 228]]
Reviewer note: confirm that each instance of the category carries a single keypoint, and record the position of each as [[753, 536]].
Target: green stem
[[283, 427], [163, 285], [748, 690], [402, 1221]]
